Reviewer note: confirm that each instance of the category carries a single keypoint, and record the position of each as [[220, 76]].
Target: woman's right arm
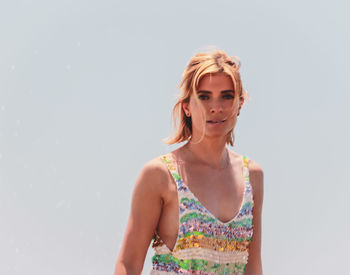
[[146, 206]]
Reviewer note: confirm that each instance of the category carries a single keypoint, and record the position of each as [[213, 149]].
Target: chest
[[220, 192], [214, 189]]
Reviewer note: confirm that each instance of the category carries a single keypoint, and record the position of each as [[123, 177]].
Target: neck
[[211, 152]]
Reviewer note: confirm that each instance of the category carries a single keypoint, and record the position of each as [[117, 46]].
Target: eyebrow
[[223, 92]]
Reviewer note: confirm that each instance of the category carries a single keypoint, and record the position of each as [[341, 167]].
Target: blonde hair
[[201, 64]]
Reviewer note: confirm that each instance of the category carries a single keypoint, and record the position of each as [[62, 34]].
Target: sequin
[[205, 245]]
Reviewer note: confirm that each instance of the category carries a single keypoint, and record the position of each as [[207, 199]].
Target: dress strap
[[248, 193], [245, 168], [172, 166], [245, 160], [170, 163]]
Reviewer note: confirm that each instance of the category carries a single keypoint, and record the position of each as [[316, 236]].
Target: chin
[[213, 134]]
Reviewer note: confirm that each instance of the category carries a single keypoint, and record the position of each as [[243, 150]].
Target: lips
[[216, 121]]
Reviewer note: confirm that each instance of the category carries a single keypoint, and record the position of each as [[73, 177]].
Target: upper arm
[[146, 205], [256, 175]]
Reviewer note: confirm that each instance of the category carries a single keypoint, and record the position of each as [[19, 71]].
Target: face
[[216, 107]]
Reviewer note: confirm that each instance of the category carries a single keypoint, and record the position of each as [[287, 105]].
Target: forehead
[[221, 81]]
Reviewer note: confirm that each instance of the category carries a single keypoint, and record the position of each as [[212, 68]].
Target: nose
[[216, 108]]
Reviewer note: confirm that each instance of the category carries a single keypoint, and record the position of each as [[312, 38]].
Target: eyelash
[[205, 97]]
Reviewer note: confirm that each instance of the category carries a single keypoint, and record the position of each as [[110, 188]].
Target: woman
[[202, 202]]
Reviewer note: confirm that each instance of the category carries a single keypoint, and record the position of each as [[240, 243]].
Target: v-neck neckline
[[173, 160]]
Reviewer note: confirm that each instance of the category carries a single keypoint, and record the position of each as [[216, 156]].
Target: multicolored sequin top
[[205, 245]]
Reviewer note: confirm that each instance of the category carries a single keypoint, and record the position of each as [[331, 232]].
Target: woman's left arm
[[256, 175]]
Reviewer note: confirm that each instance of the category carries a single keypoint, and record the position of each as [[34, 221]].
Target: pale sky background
[[86, 92]]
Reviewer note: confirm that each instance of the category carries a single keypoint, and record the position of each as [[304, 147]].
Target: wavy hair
[[199, 65]]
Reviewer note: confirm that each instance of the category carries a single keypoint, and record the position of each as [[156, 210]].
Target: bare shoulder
[[255, 168], [256, 173], [155, 168], [256, 176], [154, 176], [146, 207]]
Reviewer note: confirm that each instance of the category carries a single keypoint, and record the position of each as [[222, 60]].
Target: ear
[[240, 105], [241, 102], [186, 108]]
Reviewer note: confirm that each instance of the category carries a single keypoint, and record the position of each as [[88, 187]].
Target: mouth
[[216, 121]]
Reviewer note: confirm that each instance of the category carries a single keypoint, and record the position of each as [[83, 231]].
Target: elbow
[[256, 270], [126, 269]]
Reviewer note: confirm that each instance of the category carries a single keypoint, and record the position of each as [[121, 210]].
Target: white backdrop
[[86, 92]]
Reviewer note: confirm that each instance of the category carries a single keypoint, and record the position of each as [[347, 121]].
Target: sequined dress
[[205, 245]]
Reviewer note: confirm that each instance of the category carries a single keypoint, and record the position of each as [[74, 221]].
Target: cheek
[[197, 112], [198, 120], [232, 111], [232, 121]]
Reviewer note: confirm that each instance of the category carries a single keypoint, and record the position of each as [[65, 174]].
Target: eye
[[203, 97], [228, 96]]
